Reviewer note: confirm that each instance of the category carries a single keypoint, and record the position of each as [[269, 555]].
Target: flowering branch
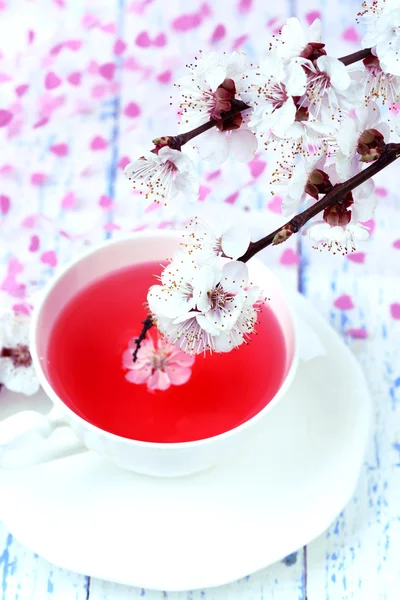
[[177, 141], [355, 56], [147, 324], [338, 192]]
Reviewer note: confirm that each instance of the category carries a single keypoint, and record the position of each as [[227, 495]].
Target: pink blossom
[[159, 364]]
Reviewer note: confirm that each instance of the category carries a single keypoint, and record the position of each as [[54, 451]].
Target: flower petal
[[234, 276], [235, 241], [242, 144], [139, 375], [178, 375], [159, 380]]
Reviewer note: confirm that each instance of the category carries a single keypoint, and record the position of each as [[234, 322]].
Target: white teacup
[[159, 459]]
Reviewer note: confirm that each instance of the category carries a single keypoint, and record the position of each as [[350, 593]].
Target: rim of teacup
[[57, 401]]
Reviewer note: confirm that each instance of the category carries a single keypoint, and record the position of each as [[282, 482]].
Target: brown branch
[[389, 155], [147, 324], [355, 56]]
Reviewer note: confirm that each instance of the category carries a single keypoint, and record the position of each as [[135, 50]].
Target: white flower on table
[[215, 80], [16, 369], [203, 241], [382, 18], [162, 174], [221, 314]]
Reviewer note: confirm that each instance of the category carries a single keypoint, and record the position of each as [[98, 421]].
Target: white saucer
[[208, 529]]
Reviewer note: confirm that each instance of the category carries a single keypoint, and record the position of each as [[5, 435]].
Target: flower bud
[[318, 183], [371, 144]]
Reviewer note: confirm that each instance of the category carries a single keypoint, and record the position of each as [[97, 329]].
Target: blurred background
[[84, 87]]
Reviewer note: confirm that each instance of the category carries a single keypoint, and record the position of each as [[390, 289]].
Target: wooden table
[[107, 95]]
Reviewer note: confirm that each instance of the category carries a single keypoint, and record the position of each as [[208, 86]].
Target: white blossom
[[219, 314], [163, 174], [292, 181], [382, 18], [203, 241], [16, 369], [294, 38], [338, 238]]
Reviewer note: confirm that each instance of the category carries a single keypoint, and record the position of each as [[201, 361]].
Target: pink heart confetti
[[357, 257], [69, 201], [107, 71], [231, 199], [73, 45], [203, 192], [119, 47], [351, 35], [143, 40], [256, 167], [344, 302], [395, 310], [357, 333], [98, 143], [312, 15], [381, 191], [34, 244], [245, 6], [218, 33], [20, 90], [49, 258], [275, 205], [160, 40], [74, 78], [59, 149], [370, 224], [5, 117], [164, 77], [187, 22], [105, 201], [289, 257], [132, 110], [213, 175], [51, 81], [109, 28], [239, 41], [123, 161], [38, 179], [4, 77], [41, 122], [21, 309], [111, 227], [5, 204], [396, 244]]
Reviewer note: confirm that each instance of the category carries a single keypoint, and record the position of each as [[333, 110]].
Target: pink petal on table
[[203, 192], [107, 70], [218, 33], [289, 257], [396, 244], [351, 35], [344, 302], [5, 204], [20, 90], [123, 161], [231, 199], [275, 205], [69, 200], [164, 77], [105, 201], [256, 167], [312, 15], [381, 192], [358, 334], [75, 78], [239, 41], [357, 257], [49, 258], [160, 40], [73, 45], [245, 6], [132, 110], [109, 28], [41, 122], [51, 81], [395, 310], [5, 117], [143, 40], [34, 243], [59, 149], [119, 47], [38, 178], [98, 143]]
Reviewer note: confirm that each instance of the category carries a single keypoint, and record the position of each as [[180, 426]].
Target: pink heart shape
[[109, 28], [245, 6], [312, 15], [99, 91], [123, 161], [256, 167], [107, 71], [73, 45], [289, 257], [5, 204], [395, 310], [51, 81], [357, 257], [49, 258], [119, 47], [203, 192], [105, 201], [357, 333], [59, 149], [75, 78], [20, 90], [132, 110], [5, 117], [381, 192], [38, 178], [231, 199], [34, 244], [98, 143], [351, 35], [218, 33], [143, 40], [160, 40], [344, 302], [275, 205], [68, 201], [396, 244], [164, 77]]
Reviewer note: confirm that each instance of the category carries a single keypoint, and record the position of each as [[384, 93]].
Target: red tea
[[84, 363]]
